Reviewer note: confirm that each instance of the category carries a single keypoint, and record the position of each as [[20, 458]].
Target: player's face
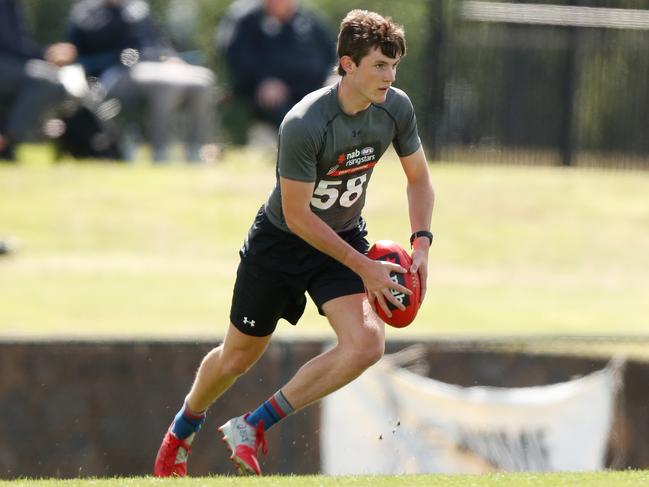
[[374, 75]]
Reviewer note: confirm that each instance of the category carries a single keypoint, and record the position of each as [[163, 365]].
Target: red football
[[393, 252]]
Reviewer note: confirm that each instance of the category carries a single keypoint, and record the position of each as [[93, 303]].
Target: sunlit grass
[[141, 250], [601, 479]]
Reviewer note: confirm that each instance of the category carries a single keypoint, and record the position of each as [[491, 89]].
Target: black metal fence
[[557, 84]]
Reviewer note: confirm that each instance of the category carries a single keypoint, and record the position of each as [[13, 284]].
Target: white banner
[[393, 421]]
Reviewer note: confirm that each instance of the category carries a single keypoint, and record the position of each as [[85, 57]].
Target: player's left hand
[[420, 264]]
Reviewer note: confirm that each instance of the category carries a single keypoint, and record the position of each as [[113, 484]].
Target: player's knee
[[236, 364], [367, 353], [374, 353]]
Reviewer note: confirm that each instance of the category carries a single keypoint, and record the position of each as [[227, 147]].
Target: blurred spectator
[[277, 51], [120, 46], [30, 82]]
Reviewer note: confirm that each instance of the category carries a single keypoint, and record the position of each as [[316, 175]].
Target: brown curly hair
[[362, 30]]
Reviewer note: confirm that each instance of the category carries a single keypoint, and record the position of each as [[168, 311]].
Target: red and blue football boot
[[243, 441]]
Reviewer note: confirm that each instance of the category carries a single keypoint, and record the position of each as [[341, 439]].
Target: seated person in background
[[276, 52], [29, 79], [119, 45]]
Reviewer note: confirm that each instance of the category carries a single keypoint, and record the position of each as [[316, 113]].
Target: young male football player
[[309, 236]]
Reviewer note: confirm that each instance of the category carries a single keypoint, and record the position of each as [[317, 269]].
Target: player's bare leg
[[223, 365], [361, 341], [218, 371]]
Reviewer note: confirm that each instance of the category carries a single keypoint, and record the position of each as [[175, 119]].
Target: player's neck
[[350, 100]]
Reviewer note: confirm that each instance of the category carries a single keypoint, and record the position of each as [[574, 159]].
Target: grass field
[[604, 479], [141, 250]]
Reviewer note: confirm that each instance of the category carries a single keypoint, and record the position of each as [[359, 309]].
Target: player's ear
[[348, 64]]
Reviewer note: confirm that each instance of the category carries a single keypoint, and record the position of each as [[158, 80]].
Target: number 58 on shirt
[[327, 193]]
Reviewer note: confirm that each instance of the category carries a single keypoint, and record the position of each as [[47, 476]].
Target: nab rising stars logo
[[355, 160]]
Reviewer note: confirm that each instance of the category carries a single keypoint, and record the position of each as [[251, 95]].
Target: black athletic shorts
[[276, 270]]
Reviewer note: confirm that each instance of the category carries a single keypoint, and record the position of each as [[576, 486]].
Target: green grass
[[603, 479], [141, 250]]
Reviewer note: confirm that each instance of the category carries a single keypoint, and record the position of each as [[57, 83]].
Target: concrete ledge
[[77, 408]]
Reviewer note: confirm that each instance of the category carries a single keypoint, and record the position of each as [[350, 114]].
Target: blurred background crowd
[[556, 82], [100, 76]]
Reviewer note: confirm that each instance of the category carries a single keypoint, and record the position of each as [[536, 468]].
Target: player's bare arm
[[296, 199], [421, 198]]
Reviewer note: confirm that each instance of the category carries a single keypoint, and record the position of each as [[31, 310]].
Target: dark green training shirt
[[319, 143]]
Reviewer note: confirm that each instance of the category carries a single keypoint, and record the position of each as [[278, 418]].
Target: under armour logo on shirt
[[356, 133], [246, 321]]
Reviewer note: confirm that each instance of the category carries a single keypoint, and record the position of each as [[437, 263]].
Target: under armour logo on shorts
[[246, 321]]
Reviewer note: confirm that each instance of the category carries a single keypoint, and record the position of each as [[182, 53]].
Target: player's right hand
[[379, 285]]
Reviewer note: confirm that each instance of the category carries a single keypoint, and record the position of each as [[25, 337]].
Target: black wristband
[[421, 233]]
